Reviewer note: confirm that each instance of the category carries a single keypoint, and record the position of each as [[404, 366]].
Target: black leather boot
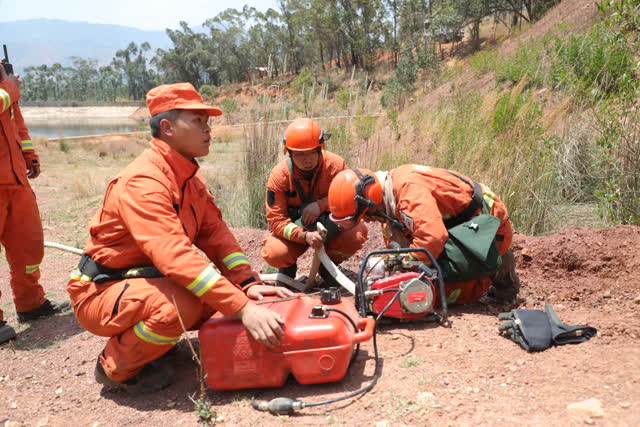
[[506, 283]]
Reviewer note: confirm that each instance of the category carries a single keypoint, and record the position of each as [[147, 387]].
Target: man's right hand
[[314, 239], [263, 324], [13, 77]]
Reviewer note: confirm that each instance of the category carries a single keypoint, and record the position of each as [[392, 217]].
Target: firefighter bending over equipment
[[297, 199], [142, 255], [20, 225], [462, 223]]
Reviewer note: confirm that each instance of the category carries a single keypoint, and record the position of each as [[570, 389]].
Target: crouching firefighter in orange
[[461, 222], [20, 226], [142, 273], [297, 192]]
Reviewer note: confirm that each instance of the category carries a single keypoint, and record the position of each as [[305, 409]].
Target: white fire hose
[[300, 286]]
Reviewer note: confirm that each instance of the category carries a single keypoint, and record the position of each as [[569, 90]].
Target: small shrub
[[343, 98], [229, 105], [340, 142], [393, 122], [410, 362], [365, 127], [208, 91], [303, 81], [513, 106], [86, 184], [528, 60], [595, 64], [64, 146], [392, 94], [484, 61]]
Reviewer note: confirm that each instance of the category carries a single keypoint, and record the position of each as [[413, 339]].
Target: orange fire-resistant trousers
[[140, 318], [23, 240], [279, 253]]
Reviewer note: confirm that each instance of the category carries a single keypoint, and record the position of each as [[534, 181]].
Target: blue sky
[[143, 14]]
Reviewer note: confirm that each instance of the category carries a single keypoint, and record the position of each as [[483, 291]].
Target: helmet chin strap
[[369, 205]]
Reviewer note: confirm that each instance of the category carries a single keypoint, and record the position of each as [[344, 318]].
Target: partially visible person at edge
[[20, 225], [418, 205], [296, 200], [141, 272]]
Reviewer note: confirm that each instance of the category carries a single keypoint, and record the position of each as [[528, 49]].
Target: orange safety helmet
[[353, 192], [304, 135]]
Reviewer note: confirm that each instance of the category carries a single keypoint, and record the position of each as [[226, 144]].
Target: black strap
[[100, 274], [477, 199], [304, 198]]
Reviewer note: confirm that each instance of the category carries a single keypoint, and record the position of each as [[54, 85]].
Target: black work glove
[[528, 328], [566, 334], [537, 330]]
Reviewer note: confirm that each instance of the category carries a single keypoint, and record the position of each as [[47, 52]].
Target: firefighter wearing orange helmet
[[20, 225], [296, 200], [419, 207], [142, 278]]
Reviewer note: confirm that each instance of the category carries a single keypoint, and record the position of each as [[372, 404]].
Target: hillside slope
[[576, 16]]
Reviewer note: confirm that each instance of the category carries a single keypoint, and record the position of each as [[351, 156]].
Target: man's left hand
[[259, 291], [310, 213], [33, 170]]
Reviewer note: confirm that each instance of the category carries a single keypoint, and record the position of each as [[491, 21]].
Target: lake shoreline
[[93, 112]]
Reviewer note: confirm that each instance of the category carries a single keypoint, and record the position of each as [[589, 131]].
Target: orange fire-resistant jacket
[[158, 212], [427, 196], [16, 148], [282, 193]]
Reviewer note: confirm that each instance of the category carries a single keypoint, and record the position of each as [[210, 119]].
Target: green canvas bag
[[471, 251]]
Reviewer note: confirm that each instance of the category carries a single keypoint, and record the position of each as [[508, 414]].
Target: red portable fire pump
[[393, 284], [321, 335]]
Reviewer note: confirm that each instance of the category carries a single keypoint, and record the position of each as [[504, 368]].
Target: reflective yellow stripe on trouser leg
[[145, 334]]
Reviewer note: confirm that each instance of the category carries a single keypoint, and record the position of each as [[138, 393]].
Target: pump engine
[[393, 284]]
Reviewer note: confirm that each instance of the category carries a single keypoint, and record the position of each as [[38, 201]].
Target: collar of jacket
[[182, 168]]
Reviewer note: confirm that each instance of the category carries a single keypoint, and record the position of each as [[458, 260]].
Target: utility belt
[[91, 271]]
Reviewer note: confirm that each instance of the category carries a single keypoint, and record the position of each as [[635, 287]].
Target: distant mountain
[[47, 41]]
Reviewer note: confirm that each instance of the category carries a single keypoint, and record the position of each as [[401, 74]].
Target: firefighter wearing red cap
[[419, 207], [296, 200], [20, 225], [142, 278]]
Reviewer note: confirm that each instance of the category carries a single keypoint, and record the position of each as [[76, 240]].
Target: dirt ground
[[465, 374]]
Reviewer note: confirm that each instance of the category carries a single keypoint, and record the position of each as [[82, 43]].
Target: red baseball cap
[[181, 96]]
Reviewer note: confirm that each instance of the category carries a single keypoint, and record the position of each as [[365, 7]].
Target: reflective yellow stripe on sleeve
[[204, 281], [6, 100], [288, 230], [27, 144], [30, 269], [235, 259], [145, 334], [488, 197]]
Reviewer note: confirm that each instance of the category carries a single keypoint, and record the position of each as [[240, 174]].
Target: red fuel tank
[[316, 348]]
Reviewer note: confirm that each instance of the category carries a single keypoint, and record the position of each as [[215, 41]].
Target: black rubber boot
[[48, 308], [289, 271], [328, 280], [153, 377], [506, 283], [7, 333]]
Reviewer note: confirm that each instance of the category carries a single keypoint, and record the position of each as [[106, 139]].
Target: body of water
[[68, 129], [59, 122]]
